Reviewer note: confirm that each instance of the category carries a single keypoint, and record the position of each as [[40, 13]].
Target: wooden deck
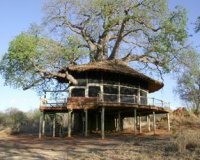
[[90, 103]]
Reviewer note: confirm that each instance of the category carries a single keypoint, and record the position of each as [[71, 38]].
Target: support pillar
[[140, 126], [86, 122], [40, 127], [168, 122], [69, 123], [119, 122], [154, 123], [43, 123], [54, 124], [148, 123], [135, 121], [97, 122], [102, 122]]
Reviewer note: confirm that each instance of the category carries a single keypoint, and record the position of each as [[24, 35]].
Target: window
[[78, 92], [110, 93], [94, 91], [128, 91], [108, 89], [143, 97]]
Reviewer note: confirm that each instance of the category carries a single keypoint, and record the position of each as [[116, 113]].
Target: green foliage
[[188, 83], [145, 32], [19, 121], [15, 119], [28, 56]]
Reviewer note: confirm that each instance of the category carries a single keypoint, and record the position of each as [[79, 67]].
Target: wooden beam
[[168, 122], [102, 122], [69, 123], [86, 122], [154, 123], [135, 121], [54, 125], [43, 123]]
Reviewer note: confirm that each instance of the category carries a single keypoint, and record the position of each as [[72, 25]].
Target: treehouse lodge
[[107, 92]]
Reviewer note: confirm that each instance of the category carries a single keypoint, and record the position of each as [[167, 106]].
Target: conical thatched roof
[[118, 67]]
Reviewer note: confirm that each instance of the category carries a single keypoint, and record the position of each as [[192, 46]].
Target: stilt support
[[140, 125], [168, 122], [102, 122], [135, 121], [154, 123], [86, 122], [97, 122], [69, 123], [119, 122], [40, 127], [43, 123], [54, 124], [148, 123]]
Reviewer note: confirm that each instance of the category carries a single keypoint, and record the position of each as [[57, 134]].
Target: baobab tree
[[85, 31]]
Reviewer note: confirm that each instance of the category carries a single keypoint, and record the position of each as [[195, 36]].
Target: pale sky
[[17, 15]]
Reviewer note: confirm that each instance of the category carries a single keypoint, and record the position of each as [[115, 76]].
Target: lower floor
[[103, 120]]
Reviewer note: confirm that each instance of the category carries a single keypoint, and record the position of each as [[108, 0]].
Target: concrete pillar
[[135, 121], [43, 123], [168, 122], [86, 122], [154, 123], [54, 124], [69, 123], [102, 122]]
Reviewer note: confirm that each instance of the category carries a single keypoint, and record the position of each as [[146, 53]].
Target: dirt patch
[[115, 146]]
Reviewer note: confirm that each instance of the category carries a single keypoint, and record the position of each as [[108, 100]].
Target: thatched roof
[[117, 67]]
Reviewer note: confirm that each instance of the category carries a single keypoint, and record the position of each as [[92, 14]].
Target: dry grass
[[182, 144]]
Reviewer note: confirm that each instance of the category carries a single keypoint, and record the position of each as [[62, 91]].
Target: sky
[[16, 17]]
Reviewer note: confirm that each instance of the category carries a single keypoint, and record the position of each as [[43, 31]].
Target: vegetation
[[145, 32], [18, 121]]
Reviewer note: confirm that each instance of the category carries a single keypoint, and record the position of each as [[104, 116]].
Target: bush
[[186, 140]]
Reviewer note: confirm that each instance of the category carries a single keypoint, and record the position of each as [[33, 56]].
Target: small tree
[[15, 119]]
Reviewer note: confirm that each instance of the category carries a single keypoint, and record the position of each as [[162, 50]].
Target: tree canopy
[[82, 31], [188, 83]]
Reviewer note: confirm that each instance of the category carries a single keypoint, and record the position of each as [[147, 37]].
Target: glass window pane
[[78, 92], [110, 89], [94, 91]]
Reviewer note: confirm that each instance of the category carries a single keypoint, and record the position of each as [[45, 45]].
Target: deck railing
[[132, 99], [53, 102], [110, 98]]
